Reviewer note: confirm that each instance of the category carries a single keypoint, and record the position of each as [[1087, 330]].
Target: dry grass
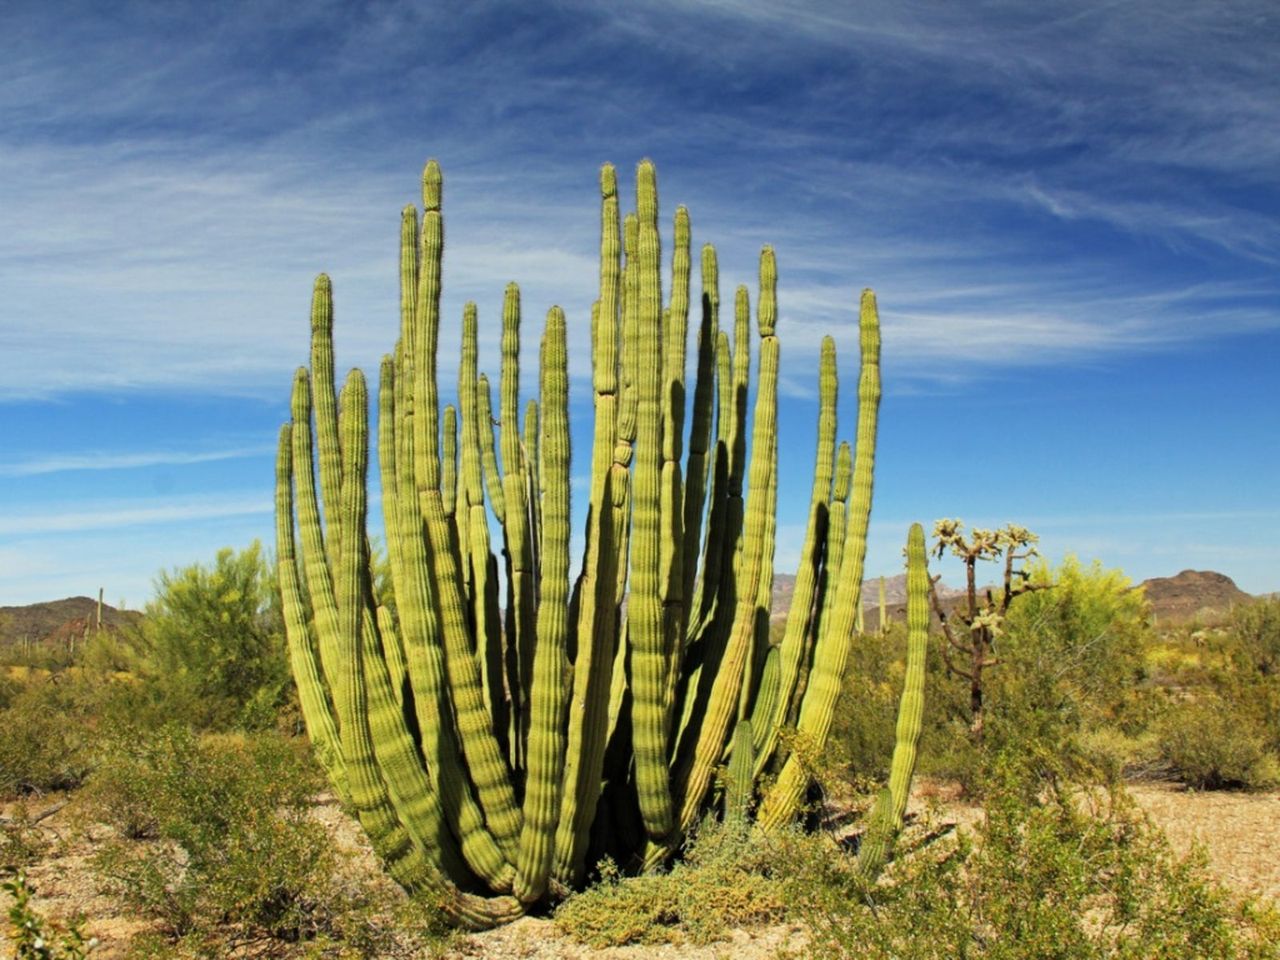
[[1240, 831]]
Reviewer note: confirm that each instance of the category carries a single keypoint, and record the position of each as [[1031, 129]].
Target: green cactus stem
[[547, 698], [506, 744], [886, 819], [831, 652]]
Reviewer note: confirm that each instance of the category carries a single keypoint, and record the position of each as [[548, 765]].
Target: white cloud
[[128, 514], [106, 460]]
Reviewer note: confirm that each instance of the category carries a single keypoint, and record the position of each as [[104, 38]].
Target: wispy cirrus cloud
[[107, 460], [129, 514], [170, 202]]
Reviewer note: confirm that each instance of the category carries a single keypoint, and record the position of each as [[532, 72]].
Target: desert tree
[[971, 628]]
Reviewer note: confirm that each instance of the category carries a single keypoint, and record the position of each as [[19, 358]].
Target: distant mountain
[[895, 596], [59, 620], [1192, 592], [1176, 598]]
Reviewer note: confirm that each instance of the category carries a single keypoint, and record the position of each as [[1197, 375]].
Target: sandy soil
[[1240, 832]]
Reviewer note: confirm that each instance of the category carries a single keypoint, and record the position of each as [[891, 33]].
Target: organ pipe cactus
[[493, 751], [886, 818]]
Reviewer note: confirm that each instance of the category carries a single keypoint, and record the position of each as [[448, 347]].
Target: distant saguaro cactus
[[505, 726]]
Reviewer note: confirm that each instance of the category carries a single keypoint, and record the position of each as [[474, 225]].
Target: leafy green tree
[[1086, 634], [212, 643]]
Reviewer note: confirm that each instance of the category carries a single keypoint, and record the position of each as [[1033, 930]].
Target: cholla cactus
[[492, 750], [980, 619]]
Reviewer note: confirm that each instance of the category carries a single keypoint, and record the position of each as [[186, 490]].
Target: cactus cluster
[[499, 725]]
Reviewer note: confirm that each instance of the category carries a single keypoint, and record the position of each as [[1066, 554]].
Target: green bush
[[1255, 628], [211, 647], [48, 729], [215, 843], [1070, 665], [32, 936], [1211, 743], [865, 721], [214, 830], [1061, 874], [723, 882]]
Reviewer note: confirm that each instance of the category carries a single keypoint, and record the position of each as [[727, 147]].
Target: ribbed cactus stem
[[449, 466], [488, 767], [547, 698], [648, 658], [704, 396], [425, 661], [319, 574], [695, 769], [675, 325], [738, 789], [532, 486], [801, 615], [886, 819], [316, 710], [323, 398], [597, 614], [390, 510], [488, 452], [404, 858], [830, 578], [475, 544], [520, 623], [426, 332], [831, 652]]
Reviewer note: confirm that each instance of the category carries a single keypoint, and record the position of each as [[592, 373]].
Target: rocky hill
[[1192, 592], [895, 597], [1177, 598], [59, 620]]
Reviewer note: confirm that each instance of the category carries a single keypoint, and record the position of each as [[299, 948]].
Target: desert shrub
[[1255, 628], [1211, 742], [33, 937], [723, 882], [22, 842], [211, 648], [1060, 873], [864, 725], [48, 728], [10, 687], [215, 842], [229, 841], [1087, 632], [1071, 664]]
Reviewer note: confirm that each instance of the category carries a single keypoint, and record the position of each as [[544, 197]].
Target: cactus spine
[[475, 740]]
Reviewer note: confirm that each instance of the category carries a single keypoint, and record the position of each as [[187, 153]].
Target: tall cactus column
[[831, 653], [886, 818], [648, 660], [505, 750], [547, 698]]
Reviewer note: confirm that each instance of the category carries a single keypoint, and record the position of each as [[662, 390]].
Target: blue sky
[[1070, 213]]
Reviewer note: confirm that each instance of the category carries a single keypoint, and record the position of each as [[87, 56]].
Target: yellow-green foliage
[[1073, 873], [47, 728], [214, 843], [32, 936], [723, 883], [212, 643]]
